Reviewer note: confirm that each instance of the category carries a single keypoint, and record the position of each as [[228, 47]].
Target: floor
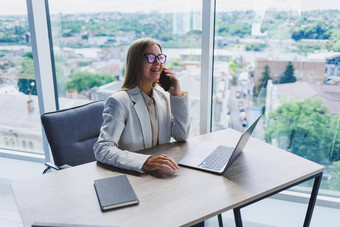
[[9, 215], [265, 213], [11, 170]]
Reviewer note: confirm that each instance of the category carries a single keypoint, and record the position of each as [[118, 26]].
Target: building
[[333, 66], [330, 94], [185, 22], [312, 71], [20, 125]]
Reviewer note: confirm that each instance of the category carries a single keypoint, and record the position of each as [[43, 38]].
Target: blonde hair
[[135, 61]]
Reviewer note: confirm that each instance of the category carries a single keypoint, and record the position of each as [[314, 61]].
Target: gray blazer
[[127, 127]]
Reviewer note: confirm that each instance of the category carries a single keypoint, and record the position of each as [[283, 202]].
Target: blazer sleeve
[[106, 148], [180, 121]]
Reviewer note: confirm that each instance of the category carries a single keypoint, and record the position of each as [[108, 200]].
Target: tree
[[25, 68], [335, 181], [28, 55], [288, 75], [232, 70], [26, 78], [304, 128], [175, 63], [254, 46], [264, 79], [83, 80], [335, 132], [27, 86], [60, 75]]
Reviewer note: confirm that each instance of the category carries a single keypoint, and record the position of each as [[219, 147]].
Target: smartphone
[[165, 81]]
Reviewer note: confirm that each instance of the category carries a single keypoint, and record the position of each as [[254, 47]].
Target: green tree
[[335, 144], [28, 55], [288, 75], [83, 63], [304, 128], [265, 77], [335, 181], [176, 62], [27, 86], [61, 79], [84, 80], [232, 66], [25, 68], [235, 69], [25, 73], [254, 46], [336, 46]]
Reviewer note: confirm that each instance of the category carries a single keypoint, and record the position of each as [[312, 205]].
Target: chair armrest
[[51, 165]]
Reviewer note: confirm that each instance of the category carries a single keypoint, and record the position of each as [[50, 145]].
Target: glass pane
[[20, 127], [91, 40], [283, 61]]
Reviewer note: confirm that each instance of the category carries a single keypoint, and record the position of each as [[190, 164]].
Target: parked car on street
[[238, 94], [244, 122]]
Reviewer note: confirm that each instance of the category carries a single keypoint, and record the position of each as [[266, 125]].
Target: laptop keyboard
[[218, 158]]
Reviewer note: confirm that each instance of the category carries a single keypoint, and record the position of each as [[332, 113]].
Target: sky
[[15, 7]]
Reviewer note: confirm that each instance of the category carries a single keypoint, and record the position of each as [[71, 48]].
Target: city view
[[284, 64]]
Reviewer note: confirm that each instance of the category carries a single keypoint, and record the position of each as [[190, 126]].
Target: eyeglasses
[[151, 58]]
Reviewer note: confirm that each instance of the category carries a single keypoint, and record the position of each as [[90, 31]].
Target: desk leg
[[312, 200], [220, 222], [237, 216]]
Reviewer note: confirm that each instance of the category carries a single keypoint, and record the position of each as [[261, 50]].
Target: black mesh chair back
[[72, 133]]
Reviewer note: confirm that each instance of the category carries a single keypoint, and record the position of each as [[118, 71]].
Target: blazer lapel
[[143, 115]]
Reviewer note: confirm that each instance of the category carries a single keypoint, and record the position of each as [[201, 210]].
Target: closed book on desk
[[115, 192]]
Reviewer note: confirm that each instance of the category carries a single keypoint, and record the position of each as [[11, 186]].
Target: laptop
[[217, 158]]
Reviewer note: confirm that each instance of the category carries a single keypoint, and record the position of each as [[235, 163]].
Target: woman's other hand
[[175, 88], [160, 162]]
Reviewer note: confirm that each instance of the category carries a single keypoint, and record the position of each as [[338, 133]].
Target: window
[[12, 143], [30, 145], [310, 74], [91, 40], [6, 142], [258, 46], [20, 117], [248, 33], [24, 144]]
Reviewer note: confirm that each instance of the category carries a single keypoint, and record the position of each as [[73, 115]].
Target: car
[[238, 94], [333, 80], [242, 115], [240, 104], [244, 122]]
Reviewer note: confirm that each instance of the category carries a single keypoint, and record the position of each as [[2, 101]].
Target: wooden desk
[[185, 197]]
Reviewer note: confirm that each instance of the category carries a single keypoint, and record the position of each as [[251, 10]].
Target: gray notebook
[[115, 192]]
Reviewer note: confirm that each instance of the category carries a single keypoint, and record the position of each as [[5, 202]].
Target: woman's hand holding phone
[[174, 87], [165, 81]]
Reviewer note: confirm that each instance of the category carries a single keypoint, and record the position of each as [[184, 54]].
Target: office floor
[[11, 170], [268, 212], [9, 215]]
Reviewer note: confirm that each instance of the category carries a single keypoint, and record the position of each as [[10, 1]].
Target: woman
[[140, 116]]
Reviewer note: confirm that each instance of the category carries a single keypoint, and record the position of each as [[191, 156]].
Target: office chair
[[72, 133]]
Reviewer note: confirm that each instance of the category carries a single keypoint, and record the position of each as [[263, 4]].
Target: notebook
[[217, 158], [115, 192]]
